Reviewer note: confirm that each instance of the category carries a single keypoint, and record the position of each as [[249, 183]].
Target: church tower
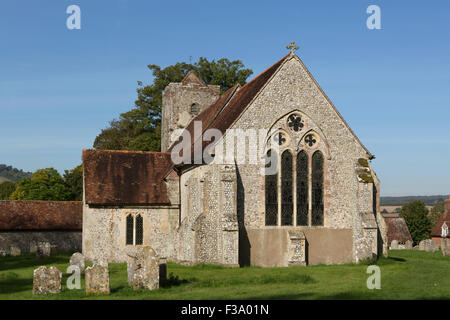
[[181, 102]]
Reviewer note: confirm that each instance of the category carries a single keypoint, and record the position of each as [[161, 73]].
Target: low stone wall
[[68, 241]]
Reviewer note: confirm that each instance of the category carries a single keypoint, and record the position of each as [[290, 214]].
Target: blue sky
[[60, 87]]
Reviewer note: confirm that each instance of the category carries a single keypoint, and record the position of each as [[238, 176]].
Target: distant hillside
[[9, 173], [401, 201]]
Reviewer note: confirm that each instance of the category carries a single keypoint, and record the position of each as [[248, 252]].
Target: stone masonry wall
[[67, 241]]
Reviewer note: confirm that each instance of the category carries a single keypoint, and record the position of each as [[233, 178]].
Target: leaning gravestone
[[97, 279], [77, 259], [445, 247], [408, 245], [394, 244], [46, 280], [145, 269], [15, 251]]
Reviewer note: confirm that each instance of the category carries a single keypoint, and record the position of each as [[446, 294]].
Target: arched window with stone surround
[[287, 205], [271, 183], [139, 230], [302, 188], [129, 229], [317, 189]]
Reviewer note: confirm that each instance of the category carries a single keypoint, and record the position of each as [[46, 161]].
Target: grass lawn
[[406, 274]]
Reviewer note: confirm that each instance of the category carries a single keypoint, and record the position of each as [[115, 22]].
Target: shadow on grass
[[11, 285], [175, 281], [29, 260]]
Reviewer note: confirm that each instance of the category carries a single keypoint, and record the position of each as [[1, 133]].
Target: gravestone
[[46, 280], [33, 247], [428, 245], [15, 251], [394, 244], [408, 245], [44, 249], [77, 259], [145, 269], [97, 279], [445, 247]]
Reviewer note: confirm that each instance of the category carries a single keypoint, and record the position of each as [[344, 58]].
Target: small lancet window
[[194, 108], [129, 229], [139, 230]]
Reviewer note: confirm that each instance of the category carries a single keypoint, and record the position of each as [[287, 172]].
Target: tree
[[140, 128], [436, 212], [416, 217], [45, 184], [73, 180], [6, 189]]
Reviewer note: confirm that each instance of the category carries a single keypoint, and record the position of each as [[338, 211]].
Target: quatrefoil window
[[310, 140], [279, 138], [295, 122]]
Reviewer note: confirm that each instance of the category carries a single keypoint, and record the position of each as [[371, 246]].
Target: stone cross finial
[[292, 47]]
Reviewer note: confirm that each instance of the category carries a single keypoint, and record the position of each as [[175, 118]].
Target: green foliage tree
[[140, 128], [6, 189], [416, 217], [45, 184], [73, 180], [436, 212]]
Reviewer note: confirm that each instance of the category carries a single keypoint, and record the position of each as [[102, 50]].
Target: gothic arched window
[[271, 179], [139, 230], [129, 229], [287, 208], [302, 189], [317, 189]]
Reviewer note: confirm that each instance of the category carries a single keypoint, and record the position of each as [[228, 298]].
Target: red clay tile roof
[[41, 215], [222, 114], [125, 177], [396, 229], [437, 229]]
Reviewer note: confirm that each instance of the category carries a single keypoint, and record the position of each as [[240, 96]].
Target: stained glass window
[[317, 189], [129, 229], [302, 189], [194, 108], [139, 229], [271, 178], [286, 188]]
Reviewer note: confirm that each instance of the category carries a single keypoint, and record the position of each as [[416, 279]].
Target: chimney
[[447, 205]]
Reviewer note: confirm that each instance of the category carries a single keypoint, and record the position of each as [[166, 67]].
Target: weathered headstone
[[428, 245], [15, 251], [97, 279], [145, 269], [162, 271], [77, 259], [33, 247], [445, 247], [46, 280], [394, 244], [44, 249], [408, 245]]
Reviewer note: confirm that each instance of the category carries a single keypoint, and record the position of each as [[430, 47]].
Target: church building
[[308, 194]]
